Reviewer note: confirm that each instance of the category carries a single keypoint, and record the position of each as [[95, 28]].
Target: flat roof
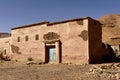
[[30, 25], [52, 23]]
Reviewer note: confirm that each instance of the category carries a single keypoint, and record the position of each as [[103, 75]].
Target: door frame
[[48, 53], [57, 46]]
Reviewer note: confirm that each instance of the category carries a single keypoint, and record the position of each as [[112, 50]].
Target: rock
[[117, 76], [31, 62], [91, 70], [111, 71]]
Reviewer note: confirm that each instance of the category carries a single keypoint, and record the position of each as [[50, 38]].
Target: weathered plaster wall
[[3, 35], [31, 48], [74, 47], [81, 41], [95, 41], [5, 44]]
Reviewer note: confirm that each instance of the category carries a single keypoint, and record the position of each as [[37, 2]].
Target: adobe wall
[[98, 52], [3, 35], [31, 48], [74, 48], [95, 41], [5, 44], [74, 45]]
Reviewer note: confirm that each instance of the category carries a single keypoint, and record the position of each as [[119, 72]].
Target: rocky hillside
[[111, 26]]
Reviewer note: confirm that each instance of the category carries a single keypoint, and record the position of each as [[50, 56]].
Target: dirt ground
[[21, 71]]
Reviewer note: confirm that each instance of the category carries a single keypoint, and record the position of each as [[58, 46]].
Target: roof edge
[[64, 21], [45, 22], [52, 23]]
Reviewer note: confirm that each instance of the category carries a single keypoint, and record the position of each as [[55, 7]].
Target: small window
[[5, 51], [119, 48], [18, 39], [26, 38], [36, 37]]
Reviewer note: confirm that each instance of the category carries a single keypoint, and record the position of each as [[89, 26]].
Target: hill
[[111, 26]]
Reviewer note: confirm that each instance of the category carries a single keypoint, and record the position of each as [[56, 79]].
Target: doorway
[[50, 54]]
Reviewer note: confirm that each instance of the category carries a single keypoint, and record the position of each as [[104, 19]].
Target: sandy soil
[[21, 71]]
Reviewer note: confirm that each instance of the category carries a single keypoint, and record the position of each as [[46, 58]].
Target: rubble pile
[[107, 71]]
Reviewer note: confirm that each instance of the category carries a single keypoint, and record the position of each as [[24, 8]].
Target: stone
[[108, 71], [117, 76], [31, 62]]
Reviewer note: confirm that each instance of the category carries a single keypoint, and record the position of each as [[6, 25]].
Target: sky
[[15, 13]]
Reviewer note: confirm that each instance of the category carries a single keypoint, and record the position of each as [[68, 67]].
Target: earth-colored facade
[[72, 41]]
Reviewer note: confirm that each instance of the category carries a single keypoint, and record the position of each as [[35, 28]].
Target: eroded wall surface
[[80, 41], [5, 45], [74, 42]]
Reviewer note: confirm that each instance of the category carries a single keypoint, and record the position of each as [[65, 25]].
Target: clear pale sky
[[14, 13]]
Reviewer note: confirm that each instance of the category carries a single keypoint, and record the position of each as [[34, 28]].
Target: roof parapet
[[45, 22], [52, 23]]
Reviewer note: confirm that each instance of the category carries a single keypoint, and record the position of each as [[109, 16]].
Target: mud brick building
[[71, 41]]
